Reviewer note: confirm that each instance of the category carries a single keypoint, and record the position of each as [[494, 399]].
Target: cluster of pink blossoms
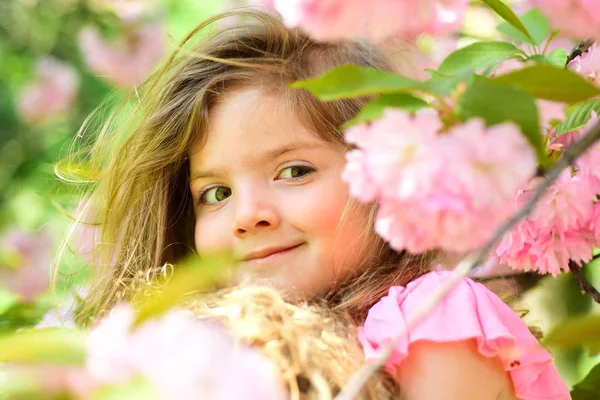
[[127, 61], [50, 94], [447, 190], [32, 255], [376, 19], [181, 357], [565, 224]]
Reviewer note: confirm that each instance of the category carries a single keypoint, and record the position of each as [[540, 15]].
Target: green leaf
[[41, 346], [550, 83], [477, 56], [374, 109], [7, 300], [446, 84], [589, 387], [575, 332], [535, 23], [497, 103], [196, 274], [558, 58], [578, 117], [22, 315], [351, 80], [508, 15]]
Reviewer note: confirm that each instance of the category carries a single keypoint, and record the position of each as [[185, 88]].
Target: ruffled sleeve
[[468, 311]]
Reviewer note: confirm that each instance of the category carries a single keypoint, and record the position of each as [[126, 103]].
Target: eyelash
[[204, 191]]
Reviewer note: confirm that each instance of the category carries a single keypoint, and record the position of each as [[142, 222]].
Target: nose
[[255, 212]]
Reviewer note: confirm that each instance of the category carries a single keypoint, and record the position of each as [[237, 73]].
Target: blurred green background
[[59, 59]]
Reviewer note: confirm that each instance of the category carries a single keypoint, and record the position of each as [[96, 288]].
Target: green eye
[[296, 171], [215, 195]]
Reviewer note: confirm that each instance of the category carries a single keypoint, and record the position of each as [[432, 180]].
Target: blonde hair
[[140, 168], [316, 349]]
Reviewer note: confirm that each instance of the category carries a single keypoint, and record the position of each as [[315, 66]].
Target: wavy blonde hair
[[315, 348], [144, 217]]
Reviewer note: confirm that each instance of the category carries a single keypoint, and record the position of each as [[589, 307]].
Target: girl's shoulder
[[468, 312]]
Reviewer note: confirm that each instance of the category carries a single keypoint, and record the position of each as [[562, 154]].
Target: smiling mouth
[[270, 255]]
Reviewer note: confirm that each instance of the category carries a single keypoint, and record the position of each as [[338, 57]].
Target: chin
[[292, 289]]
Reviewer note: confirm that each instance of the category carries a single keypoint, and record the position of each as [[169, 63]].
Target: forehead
[[248, 124]]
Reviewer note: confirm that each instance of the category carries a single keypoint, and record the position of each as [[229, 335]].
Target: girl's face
[[269, 190]]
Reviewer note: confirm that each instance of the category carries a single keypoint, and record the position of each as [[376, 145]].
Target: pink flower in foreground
[[181, 356], [50, 94], [129, 60], [33, 255], [392, 152], [377, 19], [588, 64], [448, 190], [579, 19]]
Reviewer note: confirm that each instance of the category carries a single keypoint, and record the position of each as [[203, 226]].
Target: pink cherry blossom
[[589, 166], [578, 19], [377, 20], [127, 61], [387, 159], [50, 94], [33, 254], [445, 190], [588, 64], [181, 356], [589, 163], [559, 143], [562, 227]]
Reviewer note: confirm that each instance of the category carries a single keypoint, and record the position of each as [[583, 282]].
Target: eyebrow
[[267, 157]]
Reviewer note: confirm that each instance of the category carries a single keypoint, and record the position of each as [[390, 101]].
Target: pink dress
[[469, 311]]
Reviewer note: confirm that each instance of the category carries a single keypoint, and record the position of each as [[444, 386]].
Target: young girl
[[221, 154]]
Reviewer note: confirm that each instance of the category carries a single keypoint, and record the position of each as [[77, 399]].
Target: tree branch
[[358, 380], [584, 285]]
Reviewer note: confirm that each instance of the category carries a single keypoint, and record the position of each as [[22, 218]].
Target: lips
[[269, 252]]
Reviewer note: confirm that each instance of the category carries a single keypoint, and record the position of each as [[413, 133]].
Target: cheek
[[211, 233], [319, 208], [342, 242]]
